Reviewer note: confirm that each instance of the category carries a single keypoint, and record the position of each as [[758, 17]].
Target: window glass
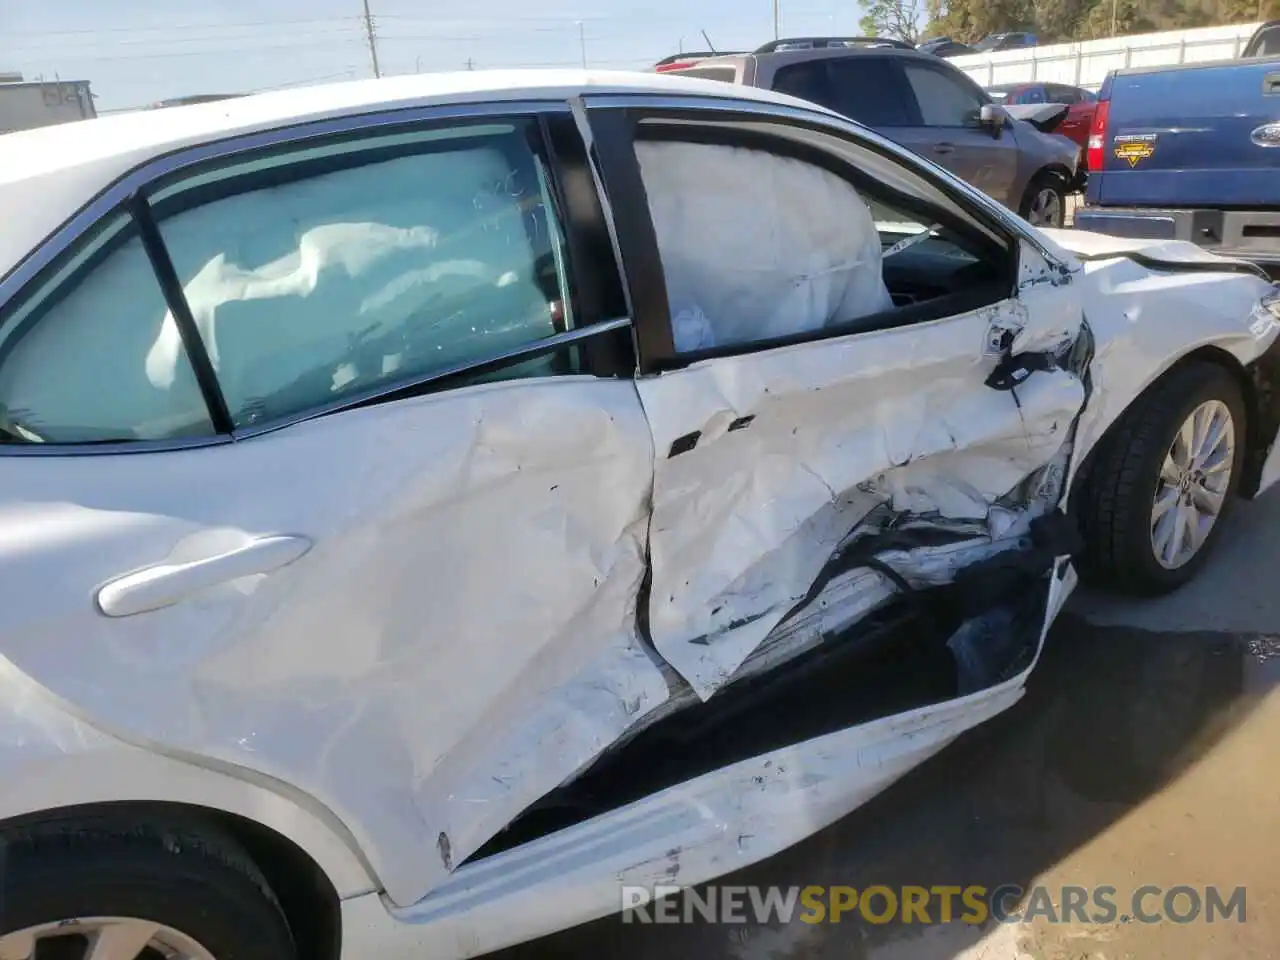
[[1267, 43], [76, 355], [1059, 94], [864, 88], [944, 101], [317, 274], [870, 90], [759, 244]]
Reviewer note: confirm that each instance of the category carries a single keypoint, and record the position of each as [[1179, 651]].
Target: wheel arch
[[1259, 385], [306, 896], [116, 777]]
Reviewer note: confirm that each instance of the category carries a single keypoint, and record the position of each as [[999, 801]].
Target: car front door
[[949, 106], [316, 464], [822, 329]]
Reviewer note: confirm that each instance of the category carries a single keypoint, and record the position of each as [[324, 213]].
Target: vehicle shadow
[[1111, 715]]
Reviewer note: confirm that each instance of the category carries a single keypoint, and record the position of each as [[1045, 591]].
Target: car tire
[[1140, 466], [1045, 202], [161, 891]]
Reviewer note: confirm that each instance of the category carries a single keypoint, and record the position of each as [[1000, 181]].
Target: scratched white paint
[[744, 521], [1143, 321], [458, 641], [684, 835]]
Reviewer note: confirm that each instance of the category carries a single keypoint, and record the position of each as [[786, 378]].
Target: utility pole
[[471, 64], [1113, 17], [582, 43], [777, 19], [373, 39]]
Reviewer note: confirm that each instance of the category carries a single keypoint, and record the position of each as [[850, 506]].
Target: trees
[[1060, 20], [898, 19]]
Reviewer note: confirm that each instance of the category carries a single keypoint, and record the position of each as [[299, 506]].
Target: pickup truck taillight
[[1096, 152]]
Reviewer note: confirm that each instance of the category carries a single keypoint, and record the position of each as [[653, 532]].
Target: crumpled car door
[[771, 460]]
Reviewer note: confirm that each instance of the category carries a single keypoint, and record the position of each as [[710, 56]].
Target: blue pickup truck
[[1191, 152]]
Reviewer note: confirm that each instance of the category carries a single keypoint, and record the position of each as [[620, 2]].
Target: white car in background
[[427, 505]]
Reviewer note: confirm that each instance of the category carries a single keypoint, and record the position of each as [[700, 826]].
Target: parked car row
[[926, 105], [947, 47], [1192, 152]]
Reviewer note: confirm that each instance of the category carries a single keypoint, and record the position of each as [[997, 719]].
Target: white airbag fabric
[[803, 254]]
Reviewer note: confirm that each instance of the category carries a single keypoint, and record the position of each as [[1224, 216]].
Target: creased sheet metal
[[745, 520], [459, 640]]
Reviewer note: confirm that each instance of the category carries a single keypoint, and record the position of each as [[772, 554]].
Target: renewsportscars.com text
[[879, 904]]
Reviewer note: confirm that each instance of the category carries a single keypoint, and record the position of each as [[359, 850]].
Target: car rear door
[[948, 105], [317, 465], [797, 401]]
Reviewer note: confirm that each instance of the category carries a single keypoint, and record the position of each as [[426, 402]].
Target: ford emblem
[[1267, 135]]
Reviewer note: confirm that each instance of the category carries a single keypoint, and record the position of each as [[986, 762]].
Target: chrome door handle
[[165, 584]]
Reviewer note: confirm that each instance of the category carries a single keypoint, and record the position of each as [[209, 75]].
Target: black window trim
[[614, 122], [126, 197]]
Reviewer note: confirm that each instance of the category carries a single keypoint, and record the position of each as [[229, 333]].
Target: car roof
[[49, 173]]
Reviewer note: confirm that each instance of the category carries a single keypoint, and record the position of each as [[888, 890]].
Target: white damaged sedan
[[428, 505]]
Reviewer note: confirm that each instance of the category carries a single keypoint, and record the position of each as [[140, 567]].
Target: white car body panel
[[680, 837], [1144, 321], [53, 758], [318, 674], [744, 522], [513, 519]]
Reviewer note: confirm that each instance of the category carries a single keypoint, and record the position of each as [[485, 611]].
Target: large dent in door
[[460, 639], [745, 521]]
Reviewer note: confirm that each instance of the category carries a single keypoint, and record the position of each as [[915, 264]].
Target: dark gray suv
[[926, 105]]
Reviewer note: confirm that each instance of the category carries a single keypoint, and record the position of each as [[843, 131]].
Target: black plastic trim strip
[[180, 310], [613, 130], [1175, 266]]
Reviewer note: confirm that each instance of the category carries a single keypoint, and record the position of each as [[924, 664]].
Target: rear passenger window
[[868, 89], [315, 274], [75, 354], [944, 100]]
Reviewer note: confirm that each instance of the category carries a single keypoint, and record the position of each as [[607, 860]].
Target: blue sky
[[136, 51]]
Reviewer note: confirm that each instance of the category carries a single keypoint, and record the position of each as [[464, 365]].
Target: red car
[[1081, 104]]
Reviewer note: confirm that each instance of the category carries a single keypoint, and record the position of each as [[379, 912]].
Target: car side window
[[1066, 95], [868, 89], [761, 242], [315, 273], [74, 352], [945, 101], [1033, 95]]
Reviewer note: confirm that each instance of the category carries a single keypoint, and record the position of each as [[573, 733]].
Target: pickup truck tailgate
[[1194, 136]]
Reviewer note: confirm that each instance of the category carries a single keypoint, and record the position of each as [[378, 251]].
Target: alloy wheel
[[1045, 209], [1193, 484], [100, 938]]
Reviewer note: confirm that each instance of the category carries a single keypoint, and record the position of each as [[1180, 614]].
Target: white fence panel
[[1087, 64]]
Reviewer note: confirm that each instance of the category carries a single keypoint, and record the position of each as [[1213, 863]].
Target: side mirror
[[994, 118]]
